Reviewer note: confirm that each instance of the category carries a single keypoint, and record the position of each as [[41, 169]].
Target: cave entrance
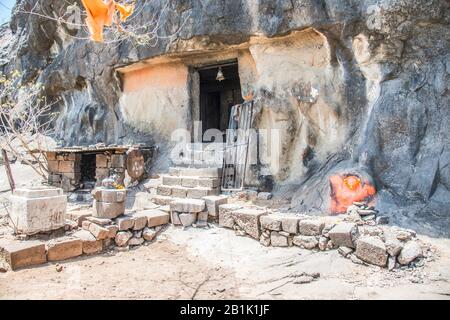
[[220, 90], [88, 166]]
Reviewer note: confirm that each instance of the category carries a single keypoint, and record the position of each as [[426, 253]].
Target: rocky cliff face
[[386, 82]]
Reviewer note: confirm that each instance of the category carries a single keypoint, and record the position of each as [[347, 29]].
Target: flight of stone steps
[[192, 195], [191, 183]]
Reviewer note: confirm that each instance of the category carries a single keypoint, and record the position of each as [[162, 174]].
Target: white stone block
[[37, 210]]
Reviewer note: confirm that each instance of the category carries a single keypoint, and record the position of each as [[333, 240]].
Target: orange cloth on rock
[[346, 190], [101, 13]]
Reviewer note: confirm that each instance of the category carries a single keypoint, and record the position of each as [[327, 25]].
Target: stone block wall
[[65, 169]]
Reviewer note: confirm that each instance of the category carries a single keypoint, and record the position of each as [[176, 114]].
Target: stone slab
[[226, 219], [63, 249], [155, 217], [213, 203], [371, 250], [271, 222], [344, 234], [19, 254], [311, 227], [249, 221], [188, 205], [108, 210]]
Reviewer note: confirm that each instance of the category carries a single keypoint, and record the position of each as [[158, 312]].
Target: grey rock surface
[[390, 91]]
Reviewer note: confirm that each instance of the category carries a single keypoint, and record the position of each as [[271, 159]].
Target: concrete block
[[171, 181], [175, 218], [187, 219], [163, 190], [213, 203], [311, 227], [372, 250], [68, 166], [289, 223], [113, 229], [109, 195], [278, 240], [78, 216], [174, 172], [189, 182], [122, 238], [140, 221], [226, 219], [155, 217], [198, 193], [101, 161], [248, 220], [179, 192], [108, 210], [271, 222], [211, 183], [162, 200], [344, 234], [200, 172], [125, 222], [20, 254], [306, 242], [188, 205], [99, 232], [62, 249], [36, 212], [99, 221]]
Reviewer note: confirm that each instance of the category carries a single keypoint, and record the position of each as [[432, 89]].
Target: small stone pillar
[[108, 203], [38, 209]]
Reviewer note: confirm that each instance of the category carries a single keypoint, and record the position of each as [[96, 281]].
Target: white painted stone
[[37, 210]]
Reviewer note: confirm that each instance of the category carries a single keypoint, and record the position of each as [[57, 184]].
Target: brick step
[[184, 192], [190, 181], [196, 172]]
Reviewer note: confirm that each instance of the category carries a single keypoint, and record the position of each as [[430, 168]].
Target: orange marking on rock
[[101, 13]]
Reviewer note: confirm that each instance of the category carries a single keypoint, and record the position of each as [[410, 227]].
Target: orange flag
[[101, 13]]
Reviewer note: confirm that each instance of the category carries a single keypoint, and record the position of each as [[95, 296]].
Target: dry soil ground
[[214, 264]]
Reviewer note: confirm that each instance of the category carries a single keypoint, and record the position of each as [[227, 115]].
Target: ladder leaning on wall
[[237, 146]]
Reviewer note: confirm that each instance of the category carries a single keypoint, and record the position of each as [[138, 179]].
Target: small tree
[[25, 118]]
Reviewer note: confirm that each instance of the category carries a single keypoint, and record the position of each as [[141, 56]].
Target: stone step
[[184, 192], [195, 172], [190, 181]]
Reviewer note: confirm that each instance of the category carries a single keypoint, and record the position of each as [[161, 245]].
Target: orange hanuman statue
[[347, 189], [102, 13]]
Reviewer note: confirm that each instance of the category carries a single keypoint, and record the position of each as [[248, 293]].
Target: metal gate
[[236, 147]]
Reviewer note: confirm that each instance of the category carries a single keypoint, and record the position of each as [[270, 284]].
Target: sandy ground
[[216, 264]]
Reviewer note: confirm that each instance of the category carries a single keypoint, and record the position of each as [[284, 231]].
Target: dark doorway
[[87, 168], [217, 97]]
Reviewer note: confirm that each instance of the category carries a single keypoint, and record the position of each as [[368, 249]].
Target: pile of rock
[[131, 229], [366, 243], [362, 213]]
